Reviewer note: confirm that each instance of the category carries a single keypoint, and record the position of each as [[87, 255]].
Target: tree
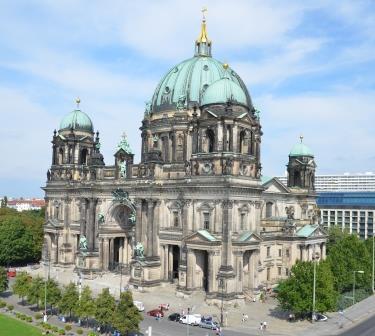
[[35, 290], [86, 306], [21, 236], [126, 317], [69, 299], [21, 285], [296, 293], [105, 306], [53, 292], [3, 280], [4, 202], [348, 255]]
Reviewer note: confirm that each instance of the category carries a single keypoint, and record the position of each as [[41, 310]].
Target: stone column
[[126, 251], [170, 262], [211, 271], [155, 232], [121, 252], [111, 250], [190, 269], [83, 204], [226, 261], [323, 255], [185, 217], [165, 268], [251, 270], [239, 271], [138, 223], [235, 138], [150, 227], [105, 253], [304, 252]]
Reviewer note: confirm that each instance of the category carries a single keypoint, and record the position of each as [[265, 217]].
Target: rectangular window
[[279, 252], [279, 270], [175, 219], [287, 253], [242, 223], [268, 251], [206, 220], [268, 274], [287, 271]]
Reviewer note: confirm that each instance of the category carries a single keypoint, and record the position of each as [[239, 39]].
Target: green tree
[[21, 236], [21, 285], [35, 290], [69, 300], [105, 306], [350, 254], [53, 292], [295, 294], [4, 202], [126, 317], [3, 280], [86, 306]]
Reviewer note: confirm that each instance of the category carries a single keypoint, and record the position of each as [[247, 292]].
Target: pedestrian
[[265, 325], [261, 326]]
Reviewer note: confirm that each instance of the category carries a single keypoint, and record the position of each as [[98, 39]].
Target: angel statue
[[83, 243]]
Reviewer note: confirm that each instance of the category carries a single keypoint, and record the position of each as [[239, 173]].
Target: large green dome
[[78, 121], [222, 91], [185, 84]]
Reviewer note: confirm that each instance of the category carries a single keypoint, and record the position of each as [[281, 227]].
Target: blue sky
[[309, 67]]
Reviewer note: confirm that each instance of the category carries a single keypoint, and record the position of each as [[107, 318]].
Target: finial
[[204, 10], [78, 101], [225, 66], [301, 137]]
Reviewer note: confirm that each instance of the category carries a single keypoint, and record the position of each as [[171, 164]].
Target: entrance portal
[[176, 261], [202, 263]]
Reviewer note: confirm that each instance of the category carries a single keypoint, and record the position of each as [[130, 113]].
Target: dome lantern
[[203, 44]]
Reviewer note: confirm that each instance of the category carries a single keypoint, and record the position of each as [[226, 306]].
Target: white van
[[194, 319], [139, 305]]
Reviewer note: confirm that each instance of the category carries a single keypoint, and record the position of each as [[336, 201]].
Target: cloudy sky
[[309, 67]]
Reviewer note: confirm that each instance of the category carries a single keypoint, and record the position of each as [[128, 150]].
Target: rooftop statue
[[83, 243], [124, 144]]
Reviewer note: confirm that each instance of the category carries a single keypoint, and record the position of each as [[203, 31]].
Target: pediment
[[52, 224], [201, 236], [275, 186], [248, 237], [311, 231]]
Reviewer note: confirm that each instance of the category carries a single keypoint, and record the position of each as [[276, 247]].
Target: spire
[[78, 101], [203, 44]]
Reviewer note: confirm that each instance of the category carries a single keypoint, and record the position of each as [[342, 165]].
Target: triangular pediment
[[248, 237], [52, 224], [201, 236], [311, 231], [274, 185]]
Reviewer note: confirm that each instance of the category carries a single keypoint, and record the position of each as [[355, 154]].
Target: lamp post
[[222, 285], [315, 258], [373, 262], [46, 263], [354, 273]]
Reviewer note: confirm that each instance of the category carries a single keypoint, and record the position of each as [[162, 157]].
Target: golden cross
[[204, 10]]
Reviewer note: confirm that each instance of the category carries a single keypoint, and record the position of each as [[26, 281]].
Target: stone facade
[[196, 209]]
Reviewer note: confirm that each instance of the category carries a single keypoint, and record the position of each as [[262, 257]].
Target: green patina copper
[[77, 120], [124, 145], [301, 149], [222, 91], [207, 235], [185, 84], [307, 230]]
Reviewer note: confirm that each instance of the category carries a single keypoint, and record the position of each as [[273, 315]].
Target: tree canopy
[[86, 305], [3, 280], [295, 294], [22, 285], [105, 307], [69, 299], [21, 236], [36, 291], [126, 316]]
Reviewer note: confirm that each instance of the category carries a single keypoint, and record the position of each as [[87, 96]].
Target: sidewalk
[[338, 323]]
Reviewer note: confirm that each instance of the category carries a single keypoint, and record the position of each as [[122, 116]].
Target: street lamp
[[46, 263], [373, 263], [222, 285], [354, 273], [315, 258]]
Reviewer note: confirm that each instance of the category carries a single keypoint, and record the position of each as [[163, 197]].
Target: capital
[[227, 204]]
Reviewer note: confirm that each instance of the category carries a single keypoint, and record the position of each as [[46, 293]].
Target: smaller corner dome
[[301, 149], [77, 120], [224, 90]]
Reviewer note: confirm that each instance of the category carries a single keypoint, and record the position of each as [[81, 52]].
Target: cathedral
[[196, 210]]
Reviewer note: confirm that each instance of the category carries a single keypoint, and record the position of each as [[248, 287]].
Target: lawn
[[12, 327]]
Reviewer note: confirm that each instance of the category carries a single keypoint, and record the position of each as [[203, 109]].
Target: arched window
[[269, 206], [211, 140], [297, 178], [83, 157], [61, 156], [251, 143]]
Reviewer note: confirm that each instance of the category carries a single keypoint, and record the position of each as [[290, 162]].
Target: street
[[365, 328]]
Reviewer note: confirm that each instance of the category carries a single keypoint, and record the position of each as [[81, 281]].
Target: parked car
[[320, 317], [139, 305], [209, 324], [194, 319], [164, 306], [155, 313], [11, 273], [174, 317]]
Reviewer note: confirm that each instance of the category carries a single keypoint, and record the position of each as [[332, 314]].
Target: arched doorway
[[176, 262]]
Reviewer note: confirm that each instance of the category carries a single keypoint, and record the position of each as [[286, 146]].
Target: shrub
[[55, 329], [68, 327], [38, 316], [47, 326], [2, 304], [61, 332], [10, 307], [79, 331], [91, 333], [29, 319]]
